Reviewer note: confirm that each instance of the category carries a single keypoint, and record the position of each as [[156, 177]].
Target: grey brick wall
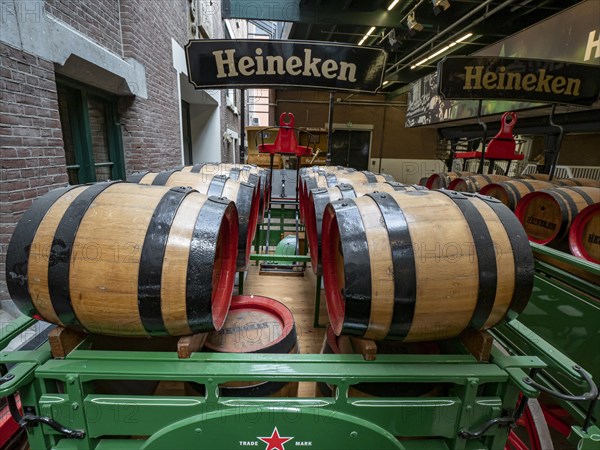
[[33, 160], [151, 135], [98, 20]]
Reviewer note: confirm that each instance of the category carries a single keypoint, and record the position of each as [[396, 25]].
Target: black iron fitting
[[478, 432], [30, 420]]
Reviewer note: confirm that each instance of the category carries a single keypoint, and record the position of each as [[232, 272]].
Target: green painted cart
[[478, 405]]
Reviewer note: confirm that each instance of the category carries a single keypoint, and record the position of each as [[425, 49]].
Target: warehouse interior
[[333, 224]]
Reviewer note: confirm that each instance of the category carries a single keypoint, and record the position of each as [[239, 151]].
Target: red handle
[[508, 121]]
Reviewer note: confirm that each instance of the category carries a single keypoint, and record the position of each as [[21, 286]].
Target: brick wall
[[98, 20], [33, 160], [151, 134]]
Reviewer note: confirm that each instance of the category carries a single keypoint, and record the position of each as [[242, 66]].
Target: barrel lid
[[255, 324]]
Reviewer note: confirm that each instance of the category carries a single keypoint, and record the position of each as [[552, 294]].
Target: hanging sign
[[461, 78], [245, 63]]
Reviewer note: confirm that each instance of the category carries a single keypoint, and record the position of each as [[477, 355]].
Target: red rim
[[503, 192], [452, 185], [310, 223], [576, 232], [224, 268], [252, 221], [268, 305], [521, 210], [431, 180], [330, 237]]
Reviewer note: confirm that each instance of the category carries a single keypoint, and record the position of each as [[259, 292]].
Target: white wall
[[205, 123]]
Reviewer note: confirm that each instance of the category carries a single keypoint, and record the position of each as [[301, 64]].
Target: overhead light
[[466, 36], [441, 50], [393, 5], [413, 25], [362, 41], [440, 5]]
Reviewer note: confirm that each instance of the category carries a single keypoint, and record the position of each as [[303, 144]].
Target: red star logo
[[275, 442]]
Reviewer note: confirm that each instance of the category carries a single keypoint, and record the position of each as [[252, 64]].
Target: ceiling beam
[[327, 14]]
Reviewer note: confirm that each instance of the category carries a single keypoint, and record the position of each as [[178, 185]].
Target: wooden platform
[[298, 294]]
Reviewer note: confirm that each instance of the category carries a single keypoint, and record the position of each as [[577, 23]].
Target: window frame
[[81, 133]]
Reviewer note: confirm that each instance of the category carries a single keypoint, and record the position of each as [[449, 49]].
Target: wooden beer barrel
[[242, 193], [239, 172], [423, 265], [125, 260], [331, 347], [443, 179], [578, 182], [474, 183], [547, 215], [536, 176], [313, 180], [584, 236], [510, 192], [330, 179], [319, 198], [255, 325]]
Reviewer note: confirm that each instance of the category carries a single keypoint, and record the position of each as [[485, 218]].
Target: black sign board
[[245, 63], [470, 78]]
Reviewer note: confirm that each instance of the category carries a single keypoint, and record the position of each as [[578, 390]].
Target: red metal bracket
[[285, 142], [501, 146]]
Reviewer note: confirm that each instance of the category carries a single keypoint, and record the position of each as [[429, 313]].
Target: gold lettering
[[529, 81], [513, 81], [473, 76], [558, 85], [573, 86], [501, 76], [489, 80]]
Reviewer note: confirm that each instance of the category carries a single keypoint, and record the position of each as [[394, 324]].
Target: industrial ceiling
[[416, 33]]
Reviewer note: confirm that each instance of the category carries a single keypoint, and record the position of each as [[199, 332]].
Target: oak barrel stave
[[510, 192], [320, 197], [474, 183], [443, 179], [584, 235], [547, 215], [78, 259], [439, 262], [242, 193]]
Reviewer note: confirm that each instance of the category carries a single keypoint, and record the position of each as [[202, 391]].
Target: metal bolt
[[198, 430], [469, 408], [353, 434], [71, 380], [473, 383], [75, 406]]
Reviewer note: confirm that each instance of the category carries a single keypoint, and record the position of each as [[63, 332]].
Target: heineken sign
[[270, 63], [533, 80]]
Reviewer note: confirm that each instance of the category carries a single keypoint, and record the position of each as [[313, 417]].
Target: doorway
[[350, 148]]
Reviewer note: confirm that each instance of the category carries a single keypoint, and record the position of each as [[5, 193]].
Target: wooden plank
[[63, 341], [478, 343], [366, 347], [190, 344]]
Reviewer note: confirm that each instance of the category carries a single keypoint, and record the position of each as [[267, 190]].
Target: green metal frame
[[478, 392], [472, 393], [561, 324]]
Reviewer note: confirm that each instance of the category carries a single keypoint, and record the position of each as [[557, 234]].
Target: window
[[91, 133]]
